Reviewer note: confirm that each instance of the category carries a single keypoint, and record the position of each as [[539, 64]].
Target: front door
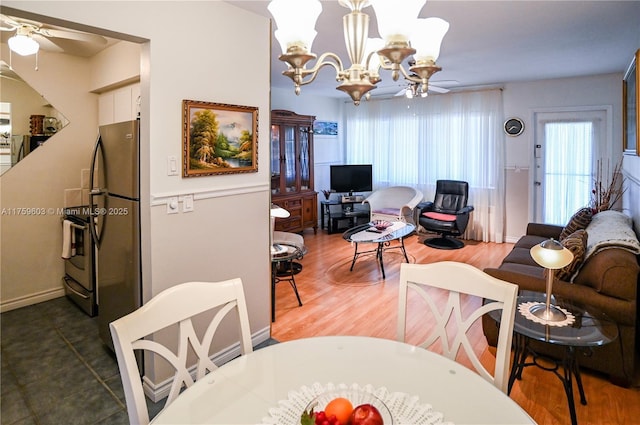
[[569, 145]]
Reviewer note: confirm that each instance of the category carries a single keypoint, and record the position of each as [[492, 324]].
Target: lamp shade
[[296, 21], [279, 212], [23, 45], [551, 254], [396, 19], [427, 38]]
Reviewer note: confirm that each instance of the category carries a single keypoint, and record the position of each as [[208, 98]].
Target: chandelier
[[403, 35]]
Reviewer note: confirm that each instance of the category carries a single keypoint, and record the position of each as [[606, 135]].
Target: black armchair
[[447, 215]]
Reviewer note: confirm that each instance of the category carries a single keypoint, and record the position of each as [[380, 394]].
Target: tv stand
[[352, 198], [337, 210]]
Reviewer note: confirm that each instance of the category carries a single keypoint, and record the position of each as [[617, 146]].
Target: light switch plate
[[172, 166], [187, 203]]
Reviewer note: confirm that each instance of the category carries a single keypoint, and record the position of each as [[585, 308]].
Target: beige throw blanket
[[611, 229]]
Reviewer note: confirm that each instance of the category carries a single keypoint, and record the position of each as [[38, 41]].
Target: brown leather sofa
[[608, 280]]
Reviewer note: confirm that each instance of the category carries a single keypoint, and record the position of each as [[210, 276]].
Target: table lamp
[[277, 212], [551, 255]]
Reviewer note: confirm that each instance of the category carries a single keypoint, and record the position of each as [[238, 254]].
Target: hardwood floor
[[339, 302]]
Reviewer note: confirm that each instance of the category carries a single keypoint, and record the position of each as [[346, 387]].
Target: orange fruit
[[341, 408]]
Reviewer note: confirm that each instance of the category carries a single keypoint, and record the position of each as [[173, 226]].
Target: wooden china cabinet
[[292, 170]]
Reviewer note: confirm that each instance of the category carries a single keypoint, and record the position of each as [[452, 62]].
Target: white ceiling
[[488, 43], [494, 42]]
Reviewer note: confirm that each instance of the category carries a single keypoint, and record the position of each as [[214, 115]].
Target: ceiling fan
[[415, 89], [31, 35], [412, 89]]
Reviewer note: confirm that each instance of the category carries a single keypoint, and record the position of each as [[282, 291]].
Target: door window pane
[[567, 169]]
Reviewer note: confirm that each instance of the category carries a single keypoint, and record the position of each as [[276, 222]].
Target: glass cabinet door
[[275, 159], [289, 164], [305, 159]]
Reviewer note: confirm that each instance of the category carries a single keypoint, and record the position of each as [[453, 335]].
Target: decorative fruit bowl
[[347, 406], [381, 224]]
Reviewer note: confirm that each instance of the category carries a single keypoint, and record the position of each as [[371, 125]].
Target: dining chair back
[[176, 306], [449, 308]]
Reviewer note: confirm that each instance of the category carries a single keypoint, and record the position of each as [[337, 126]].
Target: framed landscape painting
[[218, 138]]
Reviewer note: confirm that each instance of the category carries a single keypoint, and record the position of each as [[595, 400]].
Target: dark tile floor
[[55, 369]]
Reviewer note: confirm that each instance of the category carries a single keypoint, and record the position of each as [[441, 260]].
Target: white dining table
[[243, 390]]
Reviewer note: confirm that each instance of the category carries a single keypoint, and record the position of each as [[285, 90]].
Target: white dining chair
[[451, 322], [176, 306]]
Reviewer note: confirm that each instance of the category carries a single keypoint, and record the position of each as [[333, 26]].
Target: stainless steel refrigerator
[[115, 204]]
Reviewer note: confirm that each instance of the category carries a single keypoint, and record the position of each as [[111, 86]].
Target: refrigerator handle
[[94, 191], [93, 221], [94, 159]]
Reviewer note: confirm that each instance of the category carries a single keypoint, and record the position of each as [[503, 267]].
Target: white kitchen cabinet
[[119, 105]]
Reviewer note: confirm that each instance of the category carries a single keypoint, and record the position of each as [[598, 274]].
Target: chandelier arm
[[373, 73], [313, 72], [412, 78], [395, 68]]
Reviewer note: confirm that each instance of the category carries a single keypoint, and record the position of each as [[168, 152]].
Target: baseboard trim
[[31, 299], [158, 391]]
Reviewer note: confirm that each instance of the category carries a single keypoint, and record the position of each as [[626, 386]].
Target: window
[[418, 141]]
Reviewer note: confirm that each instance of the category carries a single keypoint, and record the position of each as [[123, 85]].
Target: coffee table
[[362, 234], [283, 268], [590, 329]]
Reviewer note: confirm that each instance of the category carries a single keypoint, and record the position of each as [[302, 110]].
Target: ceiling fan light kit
[[403, 35], [23, 44]]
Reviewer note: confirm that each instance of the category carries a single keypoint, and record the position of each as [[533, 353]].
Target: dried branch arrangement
[[607, 190]]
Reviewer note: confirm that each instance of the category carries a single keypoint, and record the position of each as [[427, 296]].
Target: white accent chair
[[395, 203], [444, 307], [176, 306]]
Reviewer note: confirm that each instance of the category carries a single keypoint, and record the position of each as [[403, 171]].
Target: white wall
[[215, 241], [631, 196]]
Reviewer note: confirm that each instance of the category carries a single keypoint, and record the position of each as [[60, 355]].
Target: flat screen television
[[351, 178]]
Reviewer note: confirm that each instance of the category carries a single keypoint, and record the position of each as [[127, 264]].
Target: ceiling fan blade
[[11, 24], [46, 44], [437, 89], [401, 92], [72, 35]]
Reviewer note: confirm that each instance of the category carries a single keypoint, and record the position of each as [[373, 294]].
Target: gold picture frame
[[630, 111], [218, 138]]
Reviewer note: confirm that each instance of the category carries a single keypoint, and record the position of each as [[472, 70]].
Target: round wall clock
[[513, 126]]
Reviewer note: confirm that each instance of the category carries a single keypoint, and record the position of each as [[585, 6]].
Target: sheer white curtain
[[415, 142], [568, 162]]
